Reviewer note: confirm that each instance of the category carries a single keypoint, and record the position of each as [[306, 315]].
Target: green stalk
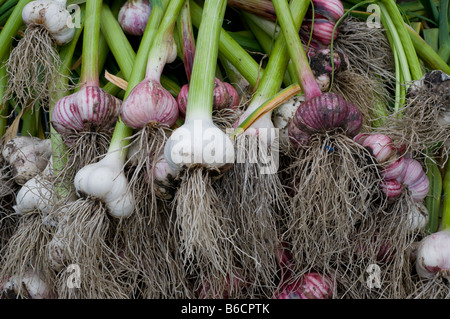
[[11, 27], [59, 148], [30, 120], [120, 139], [433, 200], [231, 50], [91, 36], [161, 46], [295, 48], [391, 10], [279, 58], [445, 219], [117, 41], [430, 57], [4, 104], [201, 86], [444, 38]]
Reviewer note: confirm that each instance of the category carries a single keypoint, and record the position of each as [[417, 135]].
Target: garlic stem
[[91, 36], [163, 42], [296, 52]]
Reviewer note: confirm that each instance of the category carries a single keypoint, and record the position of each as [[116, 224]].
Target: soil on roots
[[334, 184]]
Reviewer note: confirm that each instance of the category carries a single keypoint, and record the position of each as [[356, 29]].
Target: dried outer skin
[[89, 109], [149, 102], [322, 114]]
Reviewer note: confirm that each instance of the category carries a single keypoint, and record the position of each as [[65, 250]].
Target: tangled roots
[[256, 201], [96, 267], [206, 235], [424, 118], [335, 183], [33, 69]]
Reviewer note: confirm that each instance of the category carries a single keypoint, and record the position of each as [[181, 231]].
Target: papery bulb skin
[[433, 255], [324, 113], [27, 156], [198, 142], [149, 102], [415, 178], [310, 286], [164, 178], [182, 99], [133, 16], [30, 285], [225, 96], [322, 30], [379, 145], [395, 170], [333, 10], [89, 109], [106, 182], [233, 95], [53, 16], [391, 188]]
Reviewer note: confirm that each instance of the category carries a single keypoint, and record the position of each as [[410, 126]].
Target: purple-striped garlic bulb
[[324, 113], [326, 15], [133, 16], [311, 286], [409, 173], [89, 109], [379, 145], [225, 96], [433, 255], [149, 102]]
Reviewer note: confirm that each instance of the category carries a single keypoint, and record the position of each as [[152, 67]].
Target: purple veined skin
[[149, 102], [133, 16], [311, 286], [225, 96], [324, 113], [88, 109]]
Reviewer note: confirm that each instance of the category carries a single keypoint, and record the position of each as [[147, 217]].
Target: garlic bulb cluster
[[106, 182], [89, 109], [225, 96], [326, 15], [400, 171], [27, 156], [311, 286], [433, 255], [36, 194], [53, 16], [322, 66], [326, 112], [133, 16]]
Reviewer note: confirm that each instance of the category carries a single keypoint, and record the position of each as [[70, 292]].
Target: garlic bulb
[[90, 108], [310, 286], [198, 142], [379, 145], [53, 16], [433, 255], [106, 182], [225, 96], [34, 286], [324, 113], [36, 194], [133, 16], [164, 179], [149, 102], [27, 156]]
